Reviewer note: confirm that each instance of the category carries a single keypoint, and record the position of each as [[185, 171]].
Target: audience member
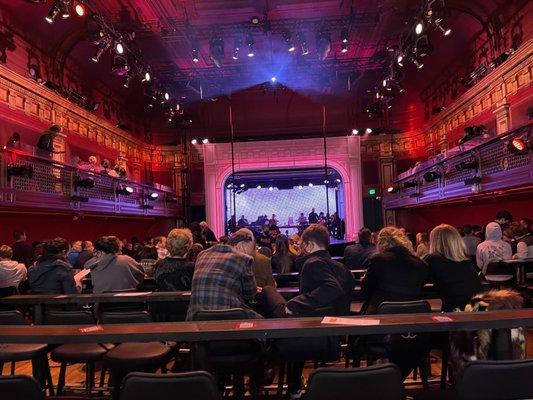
[[394, 273], [261, 266], [503, 218], [86, 253], [198, 234], [51, 273], [161, 247], [195, 249], [470, 240], [174, 272], [524, 242], [282, 260], [266, 252], [75, 250], [208, 233], [223, 239], [422, 244], [111, 271], [11, 272], [450, 268], [265, 239], [493, 248], [358, 255], [526, 223], [294, 245], [22, 251], [223, 278]]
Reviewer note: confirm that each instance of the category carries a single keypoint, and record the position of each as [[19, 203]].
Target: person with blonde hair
[[451, 269], [11, 272], [422, 245], [174, 272], [394, 272]]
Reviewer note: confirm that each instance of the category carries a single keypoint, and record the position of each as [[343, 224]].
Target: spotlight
[[258, 187], [418, 64], [255, 20], [151, 196], [195, 52], [344, 47], [466, 165], [52, 14], [85, 183], [64, 8], [399, 60], [368, 131], [273, 79], [287, 38], [103, 44], [422, 46], [384, 82], [119, 48], [270, 188], [147, 76], [250, 45], [236, 48], [79, 9], [194, 142], [303, 43], [475, 180], [446, 30], [323, 44], [229, 185], [300, 187], [517, 146], [410, 184], [419, 28], [205, 140], [431, 176], [167, 96], [242, 185], [124, 190], [338, 180], [355, 132], [128, 81], [22, 171], [393, 189], [344, 35], [216, 51], [310, 184]]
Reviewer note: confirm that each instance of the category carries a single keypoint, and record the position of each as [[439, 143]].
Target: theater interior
[[322, 199]]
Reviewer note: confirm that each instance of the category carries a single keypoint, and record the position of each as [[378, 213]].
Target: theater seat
[[198, 385], [383, 382], [20, 387]]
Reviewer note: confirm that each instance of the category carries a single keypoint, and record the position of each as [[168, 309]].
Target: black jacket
[[393, 275], [51, 275], [457, 282], [173, 274], [323, 283], [358, 255], [23, 253]]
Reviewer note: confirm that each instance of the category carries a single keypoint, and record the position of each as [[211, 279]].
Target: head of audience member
[[179, 242], [504, 217], [468, 230], [105, 163], [204, 226], [266, 229], [314, 238], [93, 161], [265, 251], [87, 245], [19, 236], [518, 230], [56, 248], [281, 246], [321, 215], [76, 246], [243, 241], [195, 249], [365, 236], [107, 245], [526, 223], [223, 239], [392, 237], [274, 231], [446, 241], [147, 252], [422, 237], [54, 129], [493, 232], [6, 253], [196, 228]]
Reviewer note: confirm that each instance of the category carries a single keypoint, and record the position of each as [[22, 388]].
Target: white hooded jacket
[[11, 273], [493, 248]]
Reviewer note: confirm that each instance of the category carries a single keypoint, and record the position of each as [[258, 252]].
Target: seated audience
[[22, 251], [161, 247], [198, 234], [111, 271], [524, 242], [223, 278], [452, 271], [74, 252], [394, 272], [196, 249], [503, 218], [422, 244], [86, 253], [294, 245], [493, 248], [282, 260], [51, 273], [261, 266], [265, 239], [174, 272], [208, 233], [11, 272], [358, 255], [526, 223], [470, 240]]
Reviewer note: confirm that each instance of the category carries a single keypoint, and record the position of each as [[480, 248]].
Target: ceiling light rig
[[287, 38], [250, 45]]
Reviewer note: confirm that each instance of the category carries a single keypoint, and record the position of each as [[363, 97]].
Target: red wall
[[476, 212], [43, 226]]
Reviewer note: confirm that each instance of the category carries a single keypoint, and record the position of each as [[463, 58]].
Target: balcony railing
[[29, 181], [478, 167]]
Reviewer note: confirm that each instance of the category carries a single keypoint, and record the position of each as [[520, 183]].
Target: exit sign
[[372, 191]]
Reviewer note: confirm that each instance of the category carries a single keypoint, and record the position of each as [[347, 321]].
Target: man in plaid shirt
[[223, 278]]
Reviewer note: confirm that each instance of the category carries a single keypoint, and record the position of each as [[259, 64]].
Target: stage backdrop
[[343, 155]]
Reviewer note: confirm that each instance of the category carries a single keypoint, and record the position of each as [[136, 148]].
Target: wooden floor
[[75, 376]]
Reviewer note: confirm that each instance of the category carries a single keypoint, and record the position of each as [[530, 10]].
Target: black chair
[[83, 353], [498, 274], [495, 380], [383, 382], [407, 350], [36, 353], [20, 387], [199, 385], [231, 357], [133, 357]]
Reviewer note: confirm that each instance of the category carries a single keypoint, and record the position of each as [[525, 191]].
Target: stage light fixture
[[410, 184], [216, 51], [127, 81], [344, 35], [258, 187], [475, 180], [236, 48], [85, 183], [79, 9], [64, 8], [517, 146], [124, 190], [338, 180], [52, 14], [384, 82], [287, 38], [323, 44], [368, 131], [393, 189], [300, 187], [151, 196], [432, 176], [466, 165], [255, 20], [147, 76], [311, 184], [418, 63], [446, 30], [273, 79], [419, 27], [229, 185], [270, 188], [344, 47], [166, 96], [194, 141], [22, 171], [205, 141], [250, 45], [399, 60], [103, 45], [355, 132], [303, 44], [422, 46], [242, 185], [119, 48], [195, 52]]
